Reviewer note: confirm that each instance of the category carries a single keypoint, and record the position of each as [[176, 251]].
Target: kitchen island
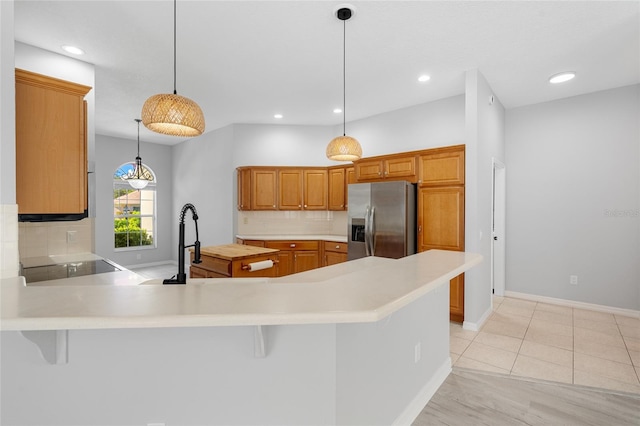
[[363, 342]]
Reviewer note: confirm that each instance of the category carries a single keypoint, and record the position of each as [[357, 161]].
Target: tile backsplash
[[292, 223], [55, 238]]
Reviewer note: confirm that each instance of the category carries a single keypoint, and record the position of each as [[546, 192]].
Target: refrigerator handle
[[372, 231], [366, 232]]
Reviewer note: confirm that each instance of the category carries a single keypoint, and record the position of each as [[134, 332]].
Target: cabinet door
[[290, 189], [337, 188], [315, 189], [350, 177], [441, 218], [195, 272], [285, 263], [264, 189], [442, 168], [333, 258], [305, 261], [369, 170], [400, 167], [51, 145], [456, 299], [244, 189]]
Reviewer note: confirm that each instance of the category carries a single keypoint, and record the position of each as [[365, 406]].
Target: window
[[134, 211]]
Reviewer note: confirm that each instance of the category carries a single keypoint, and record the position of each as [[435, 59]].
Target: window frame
[[119, 184]]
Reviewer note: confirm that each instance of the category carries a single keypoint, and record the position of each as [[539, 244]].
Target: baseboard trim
[[574, 304], [476, 326], [413, 410]]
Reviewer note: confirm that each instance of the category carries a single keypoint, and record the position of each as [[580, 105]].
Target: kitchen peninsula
[[363, 342]]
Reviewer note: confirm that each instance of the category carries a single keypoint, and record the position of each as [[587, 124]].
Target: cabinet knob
[[274, 206], [299, 205], [305, 206], [292, 245], [337, 247]]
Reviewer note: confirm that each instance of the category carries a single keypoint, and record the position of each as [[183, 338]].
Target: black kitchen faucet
[[181, 278]]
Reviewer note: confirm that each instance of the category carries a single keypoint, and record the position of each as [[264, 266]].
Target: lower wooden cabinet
[[334, 252], [295, 256], [456, 299]]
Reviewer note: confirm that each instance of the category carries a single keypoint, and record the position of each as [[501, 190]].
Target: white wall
[[485, 137], [429, 125], [573, 198], [112, 153]]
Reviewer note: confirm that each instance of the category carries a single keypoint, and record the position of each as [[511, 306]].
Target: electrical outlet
[[573, 279], [416, 353], [71, 236]]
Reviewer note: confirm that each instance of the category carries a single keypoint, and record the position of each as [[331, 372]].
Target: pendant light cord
[[175, 2], [344, 78]]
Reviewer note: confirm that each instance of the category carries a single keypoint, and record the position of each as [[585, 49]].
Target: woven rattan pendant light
[[170, 113], [344, 148]]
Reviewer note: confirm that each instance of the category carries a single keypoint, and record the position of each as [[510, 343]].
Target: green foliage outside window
[[129, 234]]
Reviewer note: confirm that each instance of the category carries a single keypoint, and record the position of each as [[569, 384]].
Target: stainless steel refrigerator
[[381, 219]]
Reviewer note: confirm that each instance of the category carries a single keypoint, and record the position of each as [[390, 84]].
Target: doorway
[[498, 225]]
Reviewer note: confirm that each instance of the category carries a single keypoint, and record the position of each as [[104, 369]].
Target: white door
[[498, 231]]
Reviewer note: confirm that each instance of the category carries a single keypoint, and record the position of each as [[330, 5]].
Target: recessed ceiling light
[[337, 110], [277, 116], [424, 78], [562, 77], [73, 50]]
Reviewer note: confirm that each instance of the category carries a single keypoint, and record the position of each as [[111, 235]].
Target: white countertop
[[363, 290], [339, 238]]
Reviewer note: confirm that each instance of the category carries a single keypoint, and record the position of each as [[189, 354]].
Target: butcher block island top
[[235, 261], [235, 251]]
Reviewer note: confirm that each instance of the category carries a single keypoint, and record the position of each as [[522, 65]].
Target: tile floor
[[556, 343]]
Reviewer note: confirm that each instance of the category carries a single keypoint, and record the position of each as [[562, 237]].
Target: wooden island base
[[233, 261]]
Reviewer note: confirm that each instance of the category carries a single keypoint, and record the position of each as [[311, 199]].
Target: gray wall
[[111, 154], [573, 194], [485, 140], [7, 106]]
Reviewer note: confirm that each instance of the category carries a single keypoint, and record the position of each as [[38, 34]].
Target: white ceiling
[[244, 61]]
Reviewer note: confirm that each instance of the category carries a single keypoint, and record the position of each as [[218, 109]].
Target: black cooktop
[[67, 270]]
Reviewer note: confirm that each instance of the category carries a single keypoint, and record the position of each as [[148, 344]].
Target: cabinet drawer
[[335, 246], [292, 245]]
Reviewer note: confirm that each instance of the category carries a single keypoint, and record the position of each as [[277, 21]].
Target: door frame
[[498, 227]]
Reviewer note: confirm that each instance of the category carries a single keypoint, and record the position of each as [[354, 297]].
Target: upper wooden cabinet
[[290, 189], [264, 189], [337, 188], [388, 167], [282, 188], [51, 145], [315, 186], [244, 189], [442, 166]]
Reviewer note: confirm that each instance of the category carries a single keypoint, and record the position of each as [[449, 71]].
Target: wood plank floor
[[469, 397]]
